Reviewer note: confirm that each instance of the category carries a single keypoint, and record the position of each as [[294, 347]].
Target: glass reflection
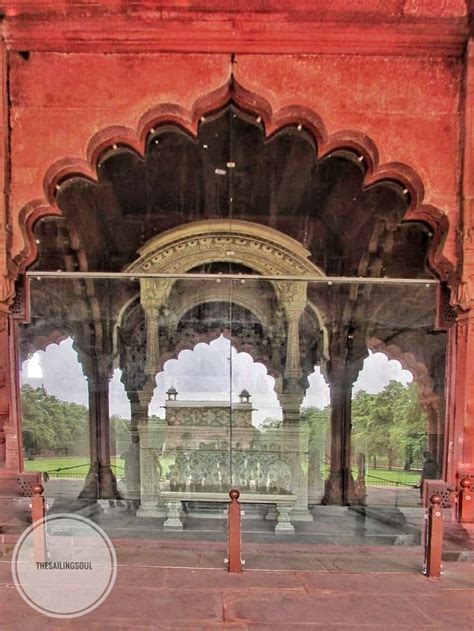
[[159, 396]]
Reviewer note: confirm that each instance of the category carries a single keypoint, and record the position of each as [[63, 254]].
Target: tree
[[389, 425], [52, 426]]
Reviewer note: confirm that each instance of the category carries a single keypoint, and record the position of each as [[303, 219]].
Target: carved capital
[[347, 351], [96, 367], [153, 292], [293, 297]]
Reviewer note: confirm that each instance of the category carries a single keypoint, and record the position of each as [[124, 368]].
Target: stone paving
[[167, 585]]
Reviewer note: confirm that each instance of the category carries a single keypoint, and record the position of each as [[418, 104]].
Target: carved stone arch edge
[[408, 361], [211, 336], [272, 122]]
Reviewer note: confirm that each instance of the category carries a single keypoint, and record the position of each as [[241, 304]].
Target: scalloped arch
[[211, 336], [408, 362], [272, 122]]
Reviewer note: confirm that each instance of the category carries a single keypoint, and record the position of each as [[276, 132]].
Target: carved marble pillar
[[152, 297], [151, 436], [100, 481], [293, 299], [295, 451], [293, 361], [139, 407], [316, 444]]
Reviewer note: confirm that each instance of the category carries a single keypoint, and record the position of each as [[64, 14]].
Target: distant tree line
[[52, 427], [389, 427]]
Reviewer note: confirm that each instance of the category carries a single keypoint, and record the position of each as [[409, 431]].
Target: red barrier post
[[37, 515], [466, 501], [433, 537], [234, 534]]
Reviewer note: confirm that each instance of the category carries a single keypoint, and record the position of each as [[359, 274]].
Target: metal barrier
[[38, 512], [465, 512], [234, 534], [433, 537]]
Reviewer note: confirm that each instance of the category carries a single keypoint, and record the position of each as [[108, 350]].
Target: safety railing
[[433, 537], [38, 512], [234, 534], [465, 503]]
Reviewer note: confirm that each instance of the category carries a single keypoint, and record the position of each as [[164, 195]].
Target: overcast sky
[[201, 374]]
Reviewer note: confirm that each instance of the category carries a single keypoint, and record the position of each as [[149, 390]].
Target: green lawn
[[407, 477], [75, 467], [80, 467]]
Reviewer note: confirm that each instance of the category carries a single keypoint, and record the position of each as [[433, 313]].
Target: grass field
[[74, 466], [404, 477], [77, 467]]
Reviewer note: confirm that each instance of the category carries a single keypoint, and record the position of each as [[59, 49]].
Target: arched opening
[[297, 256]]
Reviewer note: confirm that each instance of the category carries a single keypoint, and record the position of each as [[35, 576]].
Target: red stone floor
[[174, 585]]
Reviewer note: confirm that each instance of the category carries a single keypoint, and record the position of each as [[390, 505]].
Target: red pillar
[[460, 368], [460, 439], [11, 460], [11, 456]]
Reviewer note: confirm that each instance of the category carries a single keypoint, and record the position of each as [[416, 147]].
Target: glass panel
[[127, 406], [358, 373], [146, 400]]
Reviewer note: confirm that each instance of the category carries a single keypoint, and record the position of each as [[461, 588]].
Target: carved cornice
[[409, 27]]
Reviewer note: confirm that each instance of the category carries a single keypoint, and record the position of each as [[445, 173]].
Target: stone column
[[459, 447], [460, 397], [152, 296], [295, 452], [11, 456], [137, 465], [340, 372], [339, 487], [315, 460], [293, 298], [100, 482], [432, 408], [11, 444], [151, 437]]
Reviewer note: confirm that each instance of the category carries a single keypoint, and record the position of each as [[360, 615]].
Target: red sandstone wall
[[407, 106], [389, 69]]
